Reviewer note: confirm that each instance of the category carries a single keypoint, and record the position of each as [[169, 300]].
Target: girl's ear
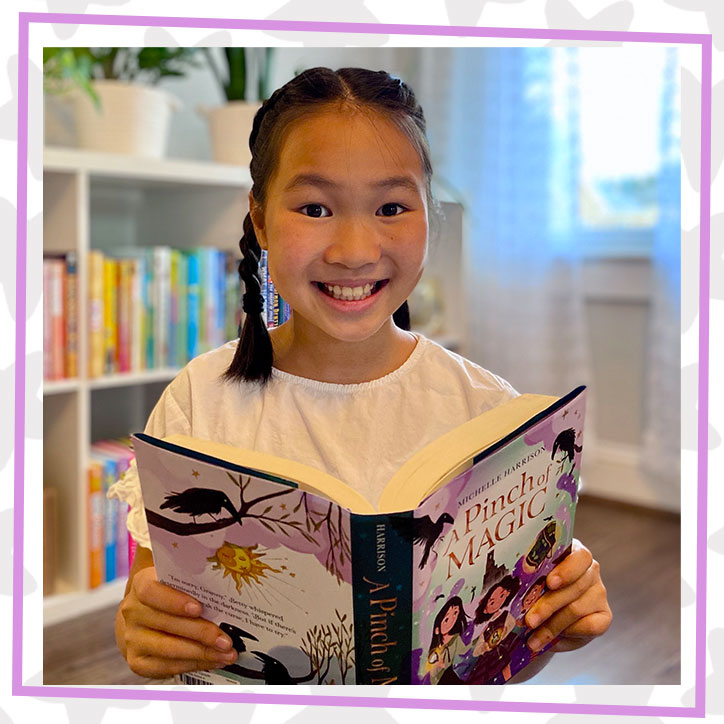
[[257, 219]]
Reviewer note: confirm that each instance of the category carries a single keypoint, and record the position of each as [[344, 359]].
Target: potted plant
[[230, 124], [111, 90]]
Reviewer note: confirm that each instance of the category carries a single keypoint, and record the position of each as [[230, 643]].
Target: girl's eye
[[316, 211], [391, 209]]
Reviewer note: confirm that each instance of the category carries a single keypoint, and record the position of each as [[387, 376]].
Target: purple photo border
[[705, 41]]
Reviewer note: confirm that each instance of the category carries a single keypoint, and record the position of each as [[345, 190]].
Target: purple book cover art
[[499, 528], [270, 563]]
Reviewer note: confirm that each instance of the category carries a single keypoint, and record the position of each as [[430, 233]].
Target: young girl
[[340, 200]]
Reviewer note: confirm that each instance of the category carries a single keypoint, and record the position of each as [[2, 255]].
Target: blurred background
[[557, 263]]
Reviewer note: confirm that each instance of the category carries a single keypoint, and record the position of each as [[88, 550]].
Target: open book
[[315, 586]]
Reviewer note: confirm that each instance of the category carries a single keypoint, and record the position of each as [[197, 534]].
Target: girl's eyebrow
[[313, 179]]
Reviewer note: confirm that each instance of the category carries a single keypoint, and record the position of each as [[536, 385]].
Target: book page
[[270, 564]]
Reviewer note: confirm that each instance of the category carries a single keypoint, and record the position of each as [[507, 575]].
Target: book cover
[[435, 594], [270, 564]]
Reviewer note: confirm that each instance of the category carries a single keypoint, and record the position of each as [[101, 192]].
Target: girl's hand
[[160, 631], [575, 608]]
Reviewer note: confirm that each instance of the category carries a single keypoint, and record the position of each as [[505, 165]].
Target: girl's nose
[[353, 244]]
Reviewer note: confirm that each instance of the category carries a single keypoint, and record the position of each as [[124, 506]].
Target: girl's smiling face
[[346, 207]]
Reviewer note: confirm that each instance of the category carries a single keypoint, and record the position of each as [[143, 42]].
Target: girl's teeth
[[350, 293]]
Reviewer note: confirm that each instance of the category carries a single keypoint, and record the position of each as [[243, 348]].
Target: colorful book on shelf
[[194, 305], [71, 314], [315, 586], [96, 524], [122, 454], [110, 315], [109, 476], [54, 317], [96, 344]]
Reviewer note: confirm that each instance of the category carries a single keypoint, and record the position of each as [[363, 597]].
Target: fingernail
[[533, 620], [539, 640], [554, 582], [223, 643], [193, 609], [228, 658]]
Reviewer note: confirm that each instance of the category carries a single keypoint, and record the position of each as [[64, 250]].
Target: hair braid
[[253, 358]]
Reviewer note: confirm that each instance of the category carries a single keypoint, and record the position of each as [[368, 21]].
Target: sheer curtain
[[509, 153], [661, 440]]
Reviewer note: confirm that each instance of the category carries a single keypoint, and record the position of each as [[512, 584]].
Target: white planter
[[230, 128], [132, 119]]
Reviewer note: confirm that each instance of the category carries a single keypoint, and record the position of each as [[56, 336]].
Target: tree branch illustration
[[339, 550], [184, 505]]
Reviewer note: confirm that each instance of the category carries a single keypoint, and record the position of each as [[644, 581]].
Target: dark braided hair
[[304, 95]]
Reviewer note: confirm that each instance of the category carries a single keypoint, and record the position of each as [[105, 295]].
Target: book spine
[[50, 540], [124, 316], [194, 306], [271, 294], [47, 322], [173, 308], [110, 316], [203, 301], [382, 598], [111, 518], [231, 328], [162, 272], [264, 276], [183, 313], [95, 322], [136, 322], [71, 315], [96, 533], [57, 320], [220, 259], [149, 301]]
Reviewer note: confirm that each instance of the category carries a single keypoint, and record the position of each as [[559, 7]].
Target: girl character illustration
[[340, 199], [531, 596], [446, 642], [494, 645], [565, 449]]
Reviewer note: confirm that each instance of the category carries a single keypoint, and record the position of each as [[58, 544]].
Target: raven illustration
[[237, 636], [273, 671], [421, 531], [199, 501]]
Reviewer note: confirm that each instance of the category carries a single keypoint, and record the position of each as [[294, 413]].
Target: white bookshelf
[[111, 202]]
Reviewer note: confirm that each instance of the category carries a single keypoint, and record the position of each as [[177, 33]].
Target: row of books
[[151, 308], [160, 307], [60, 316], [110, 546]]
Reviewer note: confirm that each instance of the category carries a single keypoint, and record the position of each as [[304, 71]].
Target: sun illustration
[[241, 563]]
